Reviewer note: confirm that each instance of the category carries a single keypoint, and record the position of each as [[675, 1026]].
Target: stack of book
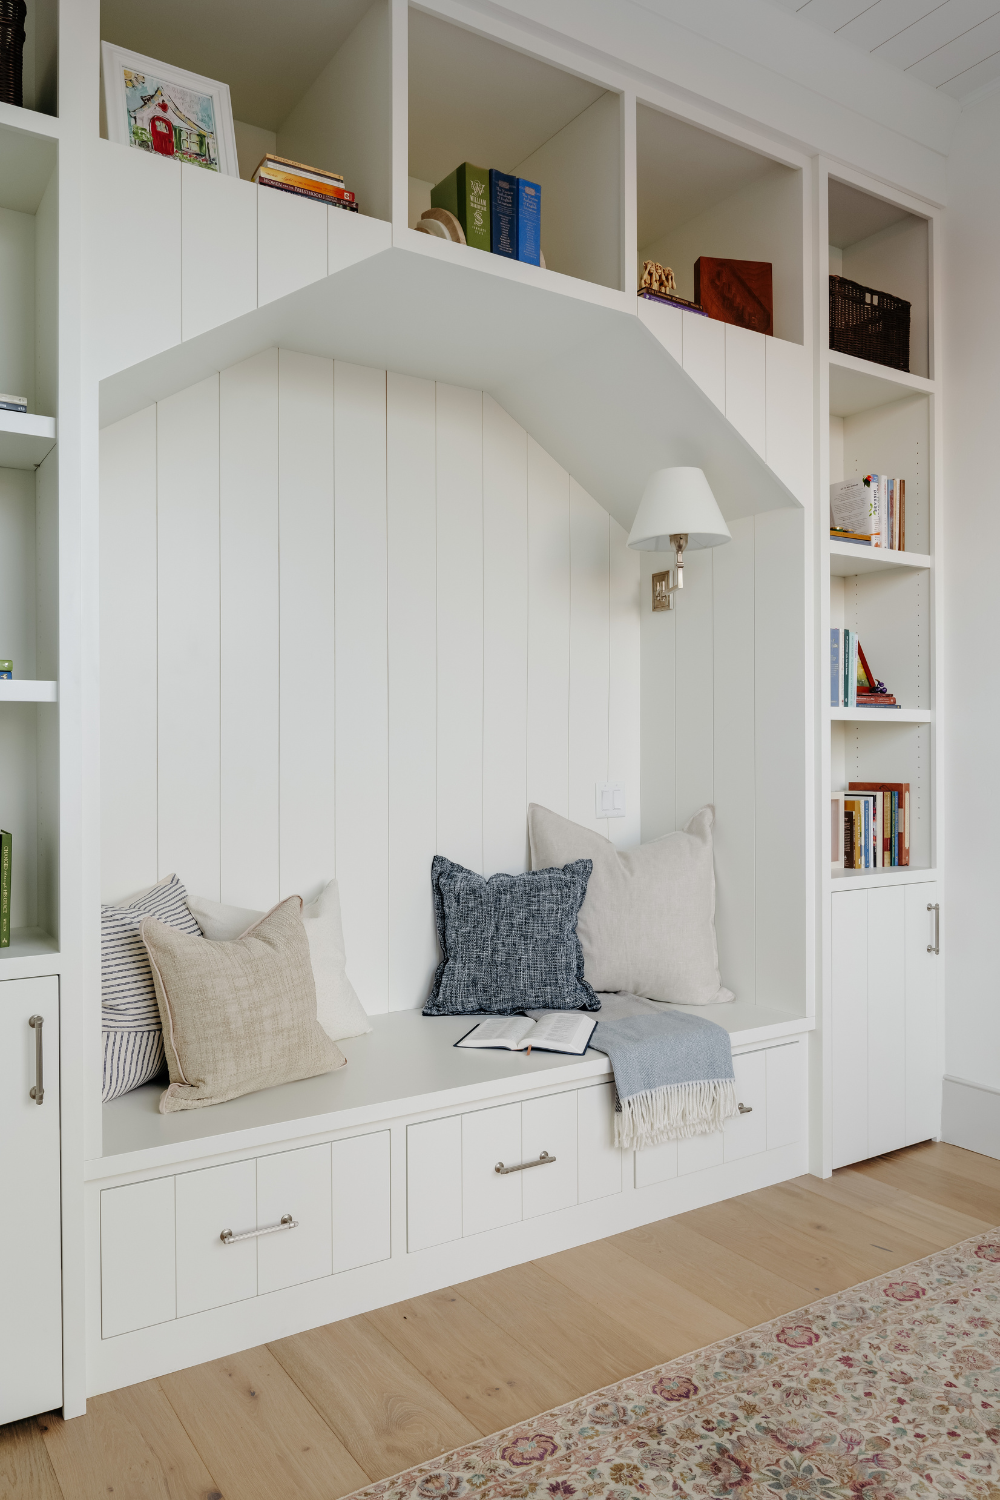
[[658, 285], [6, 668], [13, 403], [497, 211], [870, 825], [306, 182], [869, 511], [853, 684]]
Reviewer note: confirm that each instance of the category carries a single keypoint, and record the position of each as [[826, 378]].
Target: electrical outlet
[[609, 801]]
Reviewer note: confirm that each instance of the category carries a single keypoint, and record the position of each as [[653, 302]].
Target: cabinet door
[[30, 1253], [886, 1021], [491, 1198], [746, 1134], [849, 1024], [923, 1028], [361, 1200], [296, 1183], [600, 1160], [785, 1068], [655, 1164], [137, 1290], [699, 1152], [548, 1125], [210, 1273], [433, 1183]]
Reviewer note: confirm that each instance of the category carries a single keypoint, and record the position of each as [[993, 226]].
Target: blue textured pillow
[[510, 942]]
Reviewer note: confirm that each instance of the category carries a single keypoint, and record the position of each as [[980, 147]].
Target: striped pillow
[[130, 1017]]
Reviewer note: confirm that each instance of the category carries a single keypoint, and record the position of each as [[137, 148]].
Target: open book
[[553, 1031]]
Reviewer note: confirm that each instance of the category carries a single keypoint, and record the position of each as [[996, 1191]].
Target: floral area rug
[[888, 1390]]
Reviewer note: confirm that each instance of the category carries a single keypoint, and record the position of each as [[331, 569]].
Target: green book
[[466, 194], [5, 843], [6, 665]]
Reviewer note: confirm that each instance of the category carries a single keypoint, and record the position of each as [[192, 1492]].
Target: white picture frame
[[167, 111]]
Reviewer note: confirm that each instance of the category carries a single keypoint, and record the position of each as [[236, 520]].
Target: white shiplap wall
[[351, 619]]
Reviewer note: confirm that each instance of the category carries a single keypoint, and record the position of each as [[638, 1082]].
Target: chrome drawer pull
[[935, 947], [287, 1222], [543, 1161], [745, 1109], [38, 1092]]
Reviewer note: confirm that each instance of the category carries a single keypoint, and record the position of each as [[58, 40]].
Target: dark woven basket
[[12, 14], [869, 324]]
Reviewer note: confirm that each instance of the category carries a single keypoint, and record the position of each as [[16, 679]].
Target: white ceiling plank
[[939, 27], [887, 19], [980, 76], [832, 14], [964, 52]]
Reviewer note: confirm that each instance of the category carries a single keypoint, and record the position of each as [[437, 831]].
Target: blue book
[[835, 679], [503, 214], [529, 221]]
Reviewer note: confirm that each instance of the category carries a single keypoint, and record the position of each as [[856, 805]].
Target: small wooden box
[[736, 291]]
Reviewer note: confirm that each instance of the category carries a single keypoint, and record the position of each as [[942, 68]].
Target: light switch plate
[[609, 801]]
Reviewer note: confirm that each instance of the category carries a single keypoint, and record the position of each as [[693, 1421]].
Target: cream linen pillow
[[239, 1016], [338, 1009], [647, 924]]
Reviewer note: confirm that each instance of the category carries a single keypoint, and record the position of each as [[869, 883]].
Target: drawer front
[[138, 1272], [600, 1160], [360, 1179], [655, 1164], [548, 1125], [433, 1183], [489, 1198], [296, 1183], [209, 1273], [746, 1134], [785, 1085], [699, 1152]]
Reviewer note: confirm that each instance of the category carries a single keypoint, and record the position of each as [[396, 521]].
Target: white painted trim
[[970, 1116]]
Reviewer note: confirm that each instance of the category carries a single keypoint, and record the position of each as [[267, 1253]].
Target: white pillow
[[647, 924], [338, 1009]]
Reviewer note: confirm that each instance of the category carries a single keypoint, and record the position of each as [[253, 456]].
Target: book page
[[563, 1029], [499, 1031]]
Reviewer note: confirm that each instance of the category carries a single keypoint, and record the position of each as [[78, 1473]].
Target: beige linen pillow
[[238, 1016], [647, 924]]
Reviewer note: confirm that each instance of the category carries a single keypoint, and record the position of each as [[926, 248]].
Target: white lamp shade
[[675, 502]]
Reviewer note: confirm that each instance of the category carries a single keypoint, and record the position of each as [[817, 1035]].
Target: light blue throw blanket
[[673, 1071]]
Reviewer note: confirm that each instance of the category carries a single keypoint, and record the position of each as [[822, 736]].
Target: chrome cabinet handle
[[38, 1092], [745, 1109], [935, 907], [543, 1161], [287, 1222]]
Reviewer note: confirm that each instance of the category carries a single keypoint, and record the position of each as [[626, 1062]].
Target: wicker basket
[[869, 324], [12, 15]]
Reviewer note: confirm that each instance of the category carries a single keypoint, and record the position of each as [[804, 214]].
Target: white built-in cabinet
[[886, 1045], [30, 1261]]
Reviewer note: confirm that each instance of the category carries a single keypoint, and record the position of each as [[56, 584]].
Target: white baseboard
[[970, 1116]]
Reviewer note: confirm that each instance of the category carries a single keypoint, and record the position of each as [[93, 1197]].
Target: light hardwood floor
[[323, 1413]]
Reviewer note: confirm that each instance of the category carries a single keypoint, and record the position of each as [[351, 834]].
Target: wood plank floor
[[325, 1412]]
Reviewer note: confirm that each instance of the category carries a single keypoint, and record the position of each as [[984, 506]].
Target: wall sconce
[[679, 511]]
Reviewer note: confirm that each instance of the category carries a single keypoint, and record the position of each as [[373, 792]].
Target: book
[[836, 674], [553, 1031], [875, 700], [529, 221], [652, 295], [900, 829], [307, 192], [837, 831], [849, 536], [503, 214], [854, 507], [6, 665], [270, 176], [466, 194], [13, 403], [299, 167], [850, 669], [5, 859], [6, 676]]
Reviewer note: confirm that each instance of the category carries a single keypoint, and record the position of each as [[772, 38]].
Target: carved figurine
[[656, 278]]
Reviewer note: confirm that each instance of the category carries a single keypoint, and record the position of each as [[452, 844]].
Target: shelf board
[[32, 952], [894, 875], [880, 715], [25, 439], [26, 690], [859, 385], [846, 560]]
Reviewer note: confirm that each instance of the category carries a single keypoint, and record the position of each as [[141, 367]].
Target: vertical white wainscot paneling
[[137, 1291], [886, 1020], [128, 655], [705, 356], [248, 581], [549, 1125], [412, 568], [655, 1164], [491, 1198], [788, 404], [589, 655], [218, 249], [658, 637], [360, 1178], [784, 1095], [924, 1063], [210, 1273], [849, 1011], [187, 463], [734, 705], [362, 730], [745, 389], [433, 1183], [548, 631], [699, 1152], [505, 639], [624, 685], [666, 324], [599, 1159], [746, 1133], [695, 701], [291, 243], [296, 1183], [460, 625], [307, 753]]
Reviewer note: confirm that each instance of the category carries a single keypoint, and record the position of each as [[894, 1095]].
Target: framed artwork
[[167, 111]]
